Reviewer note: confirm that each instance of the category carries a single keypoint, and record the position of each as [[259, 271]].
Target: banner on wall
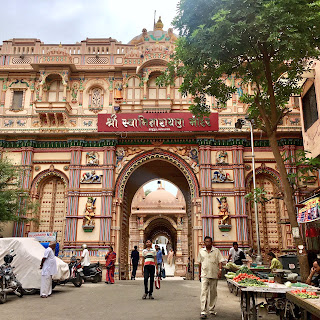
[[43, 236], [310, 211], [156, 122]]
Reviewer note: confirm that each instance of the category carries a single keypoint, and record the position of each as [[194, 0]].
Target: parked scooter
[[92, 273], [75, 272], [8, 280]]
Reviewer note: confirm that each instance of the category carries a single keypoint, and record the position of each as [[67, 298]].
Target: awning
[[311, 210]]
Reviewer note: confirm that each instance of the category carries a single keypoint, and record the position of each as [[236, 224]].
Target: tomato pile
[[243, 276], [304, 294]]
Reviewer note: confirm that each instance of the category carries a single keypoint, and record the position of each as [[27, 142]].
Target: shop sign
[[310, 211], [43, 236], [156, 122]]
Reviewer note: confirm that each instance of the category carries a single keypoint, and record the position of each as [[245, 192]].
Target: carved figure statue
[[224, 212], [90, 177], [92, 158], [120, 154], [221, 176], [222, 157], [74, 93], [89, 212]]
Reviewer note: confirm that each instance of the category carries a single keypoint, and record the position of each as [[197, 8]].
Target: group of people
[[210, 262]]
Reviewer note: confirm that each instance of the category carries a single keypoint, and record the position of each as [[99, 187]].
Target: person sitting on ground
[[275, 263], [315, 269], [236, 254]]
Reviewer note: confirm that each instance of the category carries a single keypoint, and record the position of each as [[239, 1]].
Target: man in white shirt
[[49, 268], [85, 259], [210, 266], [235, 254]]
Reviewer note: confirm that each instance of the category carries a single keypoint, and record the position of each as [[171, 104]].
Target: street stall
[[309, 304], [251, 287]]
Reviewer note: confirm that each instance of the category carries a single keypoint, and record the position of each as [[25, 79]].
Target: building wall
[[53, 139]]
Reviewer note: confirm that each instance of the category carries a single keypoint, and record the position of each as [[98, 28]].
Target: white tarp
[[29, 253]]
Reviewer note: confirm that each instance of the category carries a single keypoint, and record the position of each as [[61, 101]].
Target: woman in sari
[[110, 262]]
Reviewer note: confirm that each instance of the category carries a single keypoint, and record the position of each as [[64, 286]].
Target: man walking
[[159, 262], [135, 261], [149, 261], [210, 266], [49, 268]]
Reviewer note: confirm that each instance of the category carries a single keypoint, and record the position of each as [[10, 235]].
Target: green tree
[[268, 44], [15, 203]]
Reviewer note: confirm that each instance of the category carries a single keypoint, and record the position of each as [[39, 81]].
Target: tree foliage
[[268, 44], [15, 203]]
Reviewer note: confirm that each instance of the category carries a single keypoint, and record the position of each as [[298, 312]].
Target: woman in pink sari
[[110, 262]]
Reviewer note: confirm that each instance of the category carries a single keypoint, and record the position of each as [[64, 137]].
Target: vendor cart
[[308, 307], [274, 295]]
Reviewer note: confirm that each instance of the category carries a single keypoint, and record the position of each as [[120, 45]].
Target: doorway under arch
[[150, 166]]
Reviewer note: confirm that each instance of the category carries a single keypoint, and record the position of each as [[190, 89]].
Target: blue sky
[[69, 21]]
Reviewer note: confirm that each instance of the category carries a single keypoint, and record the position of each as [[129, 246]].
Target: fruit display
[[304, 294], [230, 275], [249, 282]]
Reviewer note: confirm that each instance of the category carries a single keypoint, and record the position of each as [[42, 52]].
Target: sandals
[[144, 297]]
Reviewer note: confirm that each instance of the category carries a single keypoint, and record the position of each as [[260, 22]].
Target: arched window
[[156, 92], [133, 90], [52, 207], [96, 99], [54, 88]]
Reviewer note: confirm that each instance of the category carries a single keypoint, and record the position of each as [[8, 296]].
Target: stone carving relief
[[89, 213], [92, 158], [74, 92], [222, 157], [123, 155], [91, 177], [189, 154], [224, 214], [221, 176]]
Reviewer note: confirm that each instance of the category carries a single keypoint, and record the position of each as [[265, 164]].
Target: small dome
[[160, 196], [158, 25]]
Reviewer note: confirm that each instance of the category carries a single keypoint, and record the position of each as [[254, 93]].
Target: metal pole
[[259, 258]]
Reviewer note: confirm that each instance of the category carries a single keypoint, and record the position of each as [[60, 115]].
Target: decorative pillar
[[106, 199], [64, 98], [145, 89], [73, 196], [205, 190], [21, 229], [239, 193], [4, 90]]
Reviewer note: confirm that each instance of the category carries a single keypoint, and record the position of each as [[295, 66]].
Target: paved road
[[177, 299]]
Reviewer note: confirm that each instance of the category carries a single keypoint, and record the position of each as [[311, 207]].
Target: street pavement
[[177, 299]]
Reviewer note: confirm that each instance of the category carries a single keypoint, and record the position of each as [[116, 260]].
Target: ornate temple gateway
[[89, 126]]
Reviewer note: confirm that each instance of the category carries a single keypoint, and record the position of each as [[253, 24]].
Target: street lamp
[[238, 125]]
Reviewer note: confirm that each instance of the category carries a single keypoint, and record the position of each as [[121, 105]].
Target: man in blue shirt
[[159, 261]]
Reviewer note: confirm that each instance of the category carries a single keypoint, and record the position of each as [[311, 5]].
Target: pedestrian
[[210, 266], [110, 265], [159, 262], [236, 254], [149, 261], [170, 257], [49, 268], [85, 258], [135, 261], [163, 252]]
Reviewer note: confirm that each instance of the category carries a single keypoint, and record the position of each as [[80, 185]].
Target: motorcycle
[[92, 273], [8, 280]]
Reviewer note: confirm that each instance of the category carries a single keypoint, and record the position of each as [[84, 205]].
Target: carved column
[[21, 229], [3, 93], [73, 196]]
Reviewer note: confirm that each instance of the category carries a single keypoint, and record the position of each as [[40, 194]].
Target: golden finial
[[159, 25], [60, 45]]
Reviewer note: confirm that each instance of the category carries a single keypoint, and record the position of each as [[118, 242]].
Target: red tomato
[[304, 290]]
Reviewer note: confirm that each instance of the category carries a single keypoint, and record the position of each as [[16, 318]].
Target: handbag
[[163, 273], [157, 282]]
